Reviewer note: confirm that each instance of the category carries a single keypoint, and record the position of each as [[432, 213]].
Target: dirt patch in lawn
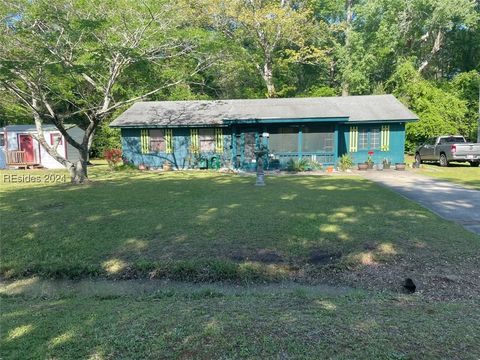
[[265, 256], [321, 257], [452, 280]]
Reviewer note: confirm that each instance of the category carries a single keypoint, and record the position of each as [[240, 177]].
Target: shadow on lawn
[[210, 325], [204, 226]]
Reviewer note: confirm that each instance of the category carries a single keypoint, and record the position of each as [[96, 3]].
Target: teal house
[[216, 133]]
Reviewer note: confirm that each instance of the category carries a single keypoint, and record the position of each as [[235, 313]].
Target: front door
[[26, 144], [249, 146]]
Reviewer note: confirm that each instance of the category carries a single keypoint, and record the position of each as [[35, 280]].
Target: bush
[[297, 165], [113, 157], [345, 162], [105, 138]]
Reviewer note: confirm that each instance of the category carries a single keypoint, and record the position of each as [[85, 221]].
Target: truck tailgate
[[467, 149]]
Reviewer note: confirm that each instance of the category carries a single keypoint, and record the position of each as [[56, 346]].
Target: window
[[317, 139], [56, 138], [207, 140], [285, 140], [363, 139], [375, 138], [2, 140], [157, 140], [451, 140]]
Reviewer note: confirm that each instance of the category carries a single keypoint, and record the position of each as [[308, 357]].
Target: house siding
[[181, 157], [239, 141], [396, 143]]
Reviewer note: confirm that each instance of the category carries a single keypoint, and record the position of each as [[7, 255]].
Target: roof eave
[[382, 121]]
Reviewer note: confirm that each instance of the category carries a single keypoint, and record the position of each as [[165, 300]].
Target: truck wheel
[[474, 163], [418, 159], [443, 160]]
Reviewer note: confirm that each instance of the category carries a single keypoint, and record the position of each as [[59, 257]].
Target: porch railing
[[17, 158]]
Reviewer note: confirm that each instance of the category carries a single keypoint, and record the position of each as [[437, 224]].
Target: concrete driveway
[[448, 200]]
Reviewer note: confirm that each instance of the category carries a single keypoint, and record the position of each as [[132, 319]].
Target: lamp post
[[259, 154]]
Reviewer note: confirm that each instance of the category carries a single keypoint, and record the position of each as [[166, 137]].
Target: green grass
[[201, 226], [460, 173], [214, 325], [210, 226]]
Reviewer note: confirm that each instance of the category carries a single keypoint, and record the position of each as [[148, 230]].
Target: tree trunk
[[478, 124], [78, 170], [268, 78], [348, 26]]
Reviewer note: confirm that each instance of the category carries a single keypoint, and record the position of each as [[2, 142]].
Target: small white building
[[19, 147]]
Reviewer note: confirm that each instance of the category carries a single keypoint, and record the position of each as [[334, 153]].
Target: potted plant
[[400, 166], [362, 166], [370, 161], [167, 166], [386, 164], [345, 163]]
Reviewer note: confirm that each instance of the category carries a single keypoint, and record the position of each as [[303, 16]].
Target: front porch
[[21, 159], [317, 142]]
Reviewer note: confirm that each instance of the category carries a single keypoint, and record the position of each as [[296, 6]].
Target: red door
[[26, 144]]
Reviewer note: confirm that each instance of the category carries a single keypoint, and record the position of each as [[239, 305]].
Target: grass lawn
[[210, 324], [460, 173], [210, 226]]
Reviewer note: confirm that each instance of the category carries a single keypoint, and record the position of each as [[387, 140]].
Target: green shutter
[[144, 141], [218, 140], [194, 141], [385, 138], [168, 141], [353, 144]]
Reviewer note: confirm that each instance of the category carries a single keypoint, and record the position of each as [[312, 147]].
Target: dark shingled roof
[[206, 113]]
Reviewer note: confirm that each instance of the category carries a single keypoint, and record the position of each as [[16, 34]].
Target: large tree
[[65, 61], [265, 29]]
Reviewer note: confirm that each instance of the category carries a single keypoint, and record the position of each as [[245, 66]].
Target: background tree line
[[86, 61]]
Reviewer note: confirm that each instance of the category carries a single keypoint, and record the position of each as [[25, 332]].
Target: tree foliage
[[75, 61]]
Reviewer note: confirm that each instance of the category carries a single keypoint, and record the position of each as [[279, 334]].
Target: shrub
[[113, 157], [297, 165], [345, 162]]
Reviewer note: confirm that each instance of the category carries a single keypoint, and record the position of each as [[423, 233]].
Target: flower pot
[[362, 166], [330, 169], [167, 166], [400, 166], [370, 166], [386, 166], [142, 167]]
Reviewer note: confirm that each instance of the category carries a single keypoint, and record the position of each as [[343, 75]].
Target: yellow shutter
[[385, 137], [168, 141], [144, 141], [194, 142], [218, 140], [353, 145]]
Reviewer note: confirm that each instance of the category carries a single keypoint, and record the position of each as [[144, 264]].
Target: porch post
[[300, 139], [335, 145], [234, 147]]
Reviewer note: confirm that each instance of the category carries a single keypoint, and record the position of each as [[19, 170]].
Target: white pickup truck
[[445, 149]]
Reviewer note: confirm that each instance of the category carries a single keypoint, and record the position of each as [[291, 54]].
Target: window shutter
[[219, 140], [353, 146], [168, 141], [385, 138], [144, 141], [194, 142]]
